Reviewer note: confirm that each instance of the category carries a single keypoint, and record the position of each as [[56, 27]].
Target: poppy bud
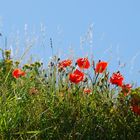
[[58, 59]]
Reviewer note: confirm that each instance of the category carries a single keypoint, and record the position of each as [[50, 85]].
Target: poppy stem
[[96, 77]]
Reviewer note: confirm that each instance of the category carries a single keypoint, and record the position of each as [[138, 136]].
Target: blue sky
[[115, 25]]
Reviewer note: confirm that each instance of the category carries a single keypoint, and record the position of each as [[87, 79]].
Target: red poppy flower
[[136, 109], [87, 91], [17, 73], [65, 63], [101, 66], [76, 77], [83, 63], [126, 89], [116, 79]]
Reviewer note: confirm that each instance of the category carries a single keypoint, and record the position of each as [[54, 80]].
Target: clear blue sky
[[116, 28]]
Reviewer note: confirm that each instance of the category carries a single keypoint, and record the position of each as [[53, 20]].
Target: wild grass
[[45, 105]]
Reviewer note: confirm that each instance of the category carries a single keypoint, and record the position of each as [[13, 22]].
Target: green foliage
[[45, 105]]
